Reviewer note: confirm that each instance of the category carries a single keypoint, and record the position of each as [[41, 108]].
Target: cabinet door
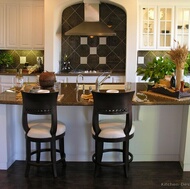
[[182, 26], [12, 25], [25, 25], [147, 27], [2, 24], [165, 27], [38, 26], [25, 18]]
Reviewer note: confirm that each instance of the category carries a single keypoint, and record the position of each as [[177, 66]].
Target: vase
[[179, 77], [47, 79]]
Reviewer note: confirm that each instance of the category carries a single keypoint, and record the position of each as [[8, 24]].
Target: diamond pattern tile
[[150, 55], [31, 56], [113, 49]]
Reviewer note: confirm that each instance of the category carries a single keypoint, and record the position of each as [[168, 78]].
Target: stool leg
[[62, 150], [38, 148], [126, 157], [53, 157], [28, 157], [130, 157], [38, 153], [98, 155]]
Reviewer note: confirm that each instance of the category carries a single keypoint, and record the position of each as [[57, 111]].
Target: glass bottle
[[19, 80], [172, 81]]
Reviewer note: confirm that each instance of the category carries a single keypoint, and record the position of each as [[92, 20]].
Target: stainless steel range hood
[[91, 25]]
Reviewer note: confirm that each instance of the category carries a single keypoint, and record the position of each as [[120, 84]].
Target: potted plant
[[157, 69], [6, 60]]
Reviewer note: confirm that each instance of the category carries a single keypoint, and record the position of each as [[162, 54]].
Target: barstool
[[112, 104], [42, 130]]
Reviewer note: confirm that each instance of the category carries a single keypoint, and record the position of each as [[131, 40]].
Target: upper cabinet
[[156, 27], [31, 26], [165, 27], [148, 27], [24, 27], [182, 25], [12, 26], [2, 24], [38, 26]]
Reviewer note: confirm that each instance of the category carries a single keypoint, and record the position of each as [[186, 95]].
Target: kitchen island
[[162, 128]]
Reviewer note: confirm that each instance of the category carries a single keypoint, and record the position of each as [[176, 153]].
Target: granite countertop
[[68, 97], [72, 73]]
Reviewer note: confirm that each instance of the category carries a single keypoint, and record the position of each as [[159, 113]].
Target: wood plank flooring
[[79, 175]]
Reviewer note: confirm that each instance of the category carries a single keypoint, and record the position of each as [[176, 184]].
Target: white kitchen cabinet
[[148, 27], [25, 26], [2, 24], [12, 25], [38, 26], [165, 27], [22, 24], [31, 26], [156, 27], [182, 26]]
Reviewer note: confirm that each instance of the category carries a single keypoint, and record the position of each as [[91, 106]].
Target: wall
[[53, 13]]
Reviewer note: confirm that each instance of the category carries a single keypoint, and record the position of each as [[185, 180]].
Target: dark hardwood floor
[[79, 175]]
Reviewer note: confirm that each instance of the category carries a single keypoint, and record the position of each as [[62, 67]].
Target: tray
[[168, 92]]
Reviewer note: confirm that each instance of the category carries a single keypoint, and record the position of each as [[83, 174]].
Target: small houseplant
[[6, 60], [156, 70]]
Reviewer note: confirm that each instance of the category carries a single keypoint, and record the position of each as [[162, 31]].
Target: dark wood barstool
[[42, 130], [112, 104]]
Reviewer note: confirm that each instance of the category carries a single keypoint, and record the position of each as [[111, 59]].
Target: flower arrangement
[[179, 55]]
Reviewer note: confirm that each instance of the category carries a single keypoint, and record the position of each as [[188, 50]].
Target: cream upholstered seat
[[112, 131], [109, 125], [114, 126], [42, 130]]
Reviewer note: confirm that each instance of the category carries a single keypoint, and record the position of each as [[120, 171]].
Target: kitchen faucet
[[77, 82], [98, 84]]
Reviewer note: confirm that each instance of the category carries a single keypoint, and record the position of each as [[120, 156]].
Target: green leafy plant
[[6, 60], [188, 62], [157, 69]]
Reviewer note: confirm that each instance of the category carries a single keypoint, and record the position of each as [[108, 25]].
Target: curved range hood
[[91, 25]]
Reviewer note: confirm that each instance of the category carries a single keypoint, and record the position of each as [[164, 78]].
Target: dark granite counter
[[72, 73], [69, 97]]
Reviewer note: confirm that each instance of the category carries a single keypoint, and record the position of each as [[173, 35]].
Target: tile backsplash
[[150, 55], [24, 56], [97, 53]]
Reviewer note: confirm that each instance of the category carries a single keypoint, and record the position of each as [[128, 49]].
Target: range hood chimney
[[91, 25]]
